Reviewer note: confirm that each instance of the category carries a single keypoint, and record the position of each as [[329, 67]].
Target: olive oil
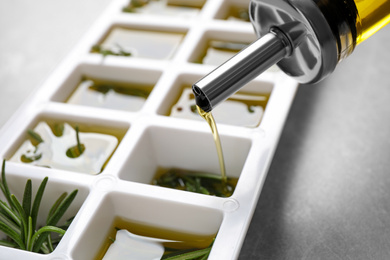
[[210, 120], [180, 240], [112, 95], [241, 109], [238, 13], [373, 15], [354, 21], [60, 146], [194, 181], [186, 8], [217, 52], [148, 44]]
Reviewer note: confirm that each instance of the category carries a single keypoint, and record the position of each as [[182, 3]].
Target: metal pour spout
[[228, 78]]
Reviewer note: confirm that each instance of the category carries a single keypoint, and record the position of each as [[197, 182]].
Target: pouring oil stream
[[210, 120]]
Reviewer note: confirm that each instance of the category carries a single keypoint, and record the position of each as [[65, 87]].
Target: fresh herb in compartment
[[241, 109], [109, 94], [122, 41], [61, 146], [131, 240], [184, 8], [193, 181], [165, 157], [19, 218]]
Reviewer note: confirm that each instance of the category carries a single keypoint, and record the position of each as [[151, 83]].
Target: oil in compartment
[[195, 181], [53, 145], [148, 44], [175, 8], [152, 240], [112, 95], [244, 109]]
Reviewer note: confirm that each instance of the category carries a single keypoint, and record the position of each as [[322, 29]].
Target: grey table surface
[[327, 193]]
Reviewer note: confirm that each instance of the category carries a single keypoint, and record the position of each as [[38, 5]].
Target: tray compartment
[[174, 217], [234, 10], [142, 81], [16, 179], [247, 111], [176, 8], [217, 46], [141, 42], [109, 135], [164, 147]]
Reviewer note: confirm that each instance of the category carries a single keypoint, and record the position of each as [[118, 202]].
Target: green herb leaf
[[22, 215], [12, 234], [61, 209], [49, 243], [9, 222], [58, 129], [8, 243], [56, 204], [29, 234], [189, 255], [18, 221], [43, 232], [76, 151], [29, 159], [9, 213], [106, 52], [37, 202], [27, 198], [4, 186], [36, 138]]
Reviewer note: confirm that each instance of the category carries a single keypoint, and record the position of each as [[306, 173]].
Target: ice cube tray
[[148, 137]]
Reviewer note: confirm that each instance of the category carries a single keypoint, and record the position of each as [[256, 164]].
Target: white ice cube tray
[[150, 139]]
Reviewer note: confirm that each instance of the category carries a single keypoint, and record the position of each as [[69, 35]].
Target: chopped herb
[[30, 159], [35, 137], [58, 129], [106, 52], [204, 183], [105, 88], [193, 109], [134, 4], [77, 150]]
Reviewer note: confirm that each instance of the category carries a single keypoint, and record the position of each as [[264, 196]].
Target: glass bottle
[[305, 38]]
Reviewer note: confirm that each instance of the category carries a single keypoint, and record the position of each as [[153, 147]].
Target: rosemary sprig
[[196, 254], [19, 220], [204, 183]]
